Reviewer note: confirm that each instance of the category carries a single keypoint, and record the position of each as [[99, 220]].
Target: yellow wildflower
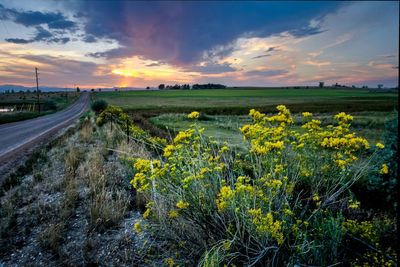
[[168, 150], [182, 205], [227, 244], [354, 204], [380, 145], [194, 115], [146, 214], [223, 149], [384, 169], [137, 227], [173, 214], [169, 262]]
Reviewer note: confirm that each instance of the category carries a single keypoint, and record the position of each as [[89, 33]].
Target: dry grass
[[107, 209], [72, 160], [132, 149], [52, 237], [86, 131], [7, 215]]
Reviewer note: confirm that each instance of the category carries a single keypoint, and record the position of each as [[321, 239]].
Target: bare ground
[[75, 208]]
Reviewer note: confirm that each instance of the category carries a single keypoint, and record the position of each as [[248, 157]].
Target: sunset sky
[[138, 44]]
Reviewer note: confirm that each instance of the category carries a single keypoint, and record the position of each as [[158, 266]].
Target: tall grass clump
[[283, 201]]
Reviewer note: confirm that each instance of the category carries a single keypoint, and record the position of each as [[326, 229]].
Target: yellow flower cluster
[[168, 150], [265, 224], [343, 117], [224, 197], [173, 214], [380, 145], [364, 229], [194, 115], [182, 204], [183, 137], [384, 169], [169, 262], [256, 190], [137, 227], [354, 204]]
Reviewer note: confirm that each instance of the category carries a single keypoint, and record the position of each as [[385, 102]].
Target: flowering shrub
[[117, 116], [276, 203]]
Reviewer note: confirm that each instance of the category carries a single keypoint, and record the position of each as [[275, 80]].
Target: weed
[[52, 237]]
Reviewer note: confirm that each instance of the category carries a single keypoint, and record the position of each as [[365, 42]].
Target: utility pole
[[37, 89]]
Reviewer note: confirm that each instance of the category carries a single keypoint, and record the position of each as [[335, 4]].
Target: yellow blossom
[[354, 204], [384, 169], [194, 115], [146, 214], [380, 145], [173, 214], [182, 205], [169, 262], [168, 150], [137, 227]]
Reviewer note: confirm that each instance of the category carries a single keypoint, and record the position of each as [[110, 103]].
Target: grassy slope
[[238, 101]]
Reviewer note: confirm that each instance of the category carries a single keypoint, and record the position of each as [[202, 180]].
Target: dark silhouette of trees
[[195, 86], [208, 86]]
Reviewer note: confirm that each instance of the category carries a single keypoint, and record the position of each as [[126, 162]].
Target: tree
[[161, 86], [147, 87], [380, 86], [321, 84], [77, 89]]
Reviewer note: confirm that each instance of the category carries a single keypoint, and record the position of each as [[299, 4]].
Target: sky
[[95, 44]]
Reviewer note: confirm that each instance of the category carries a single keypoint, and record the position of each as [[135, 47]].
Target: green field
[[239, 101], [226, 127], [25, 104]]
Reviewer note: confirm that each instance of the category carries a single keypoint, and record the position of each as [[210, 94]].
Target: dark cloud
[[211, 68], [153, 65], [56, 22], [267, 73], [272, 48], [181, 32], [89, 38], [41, 35], [18, 41], [305, 31], [261, 56], [61, 24]]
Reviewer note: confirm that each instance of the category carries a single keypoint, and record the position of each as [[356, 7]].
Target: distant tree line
[[194, 86]]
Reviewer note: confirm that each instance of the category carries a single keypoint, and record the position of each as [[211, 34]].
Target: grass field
[[25, 104], [239, 101]]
